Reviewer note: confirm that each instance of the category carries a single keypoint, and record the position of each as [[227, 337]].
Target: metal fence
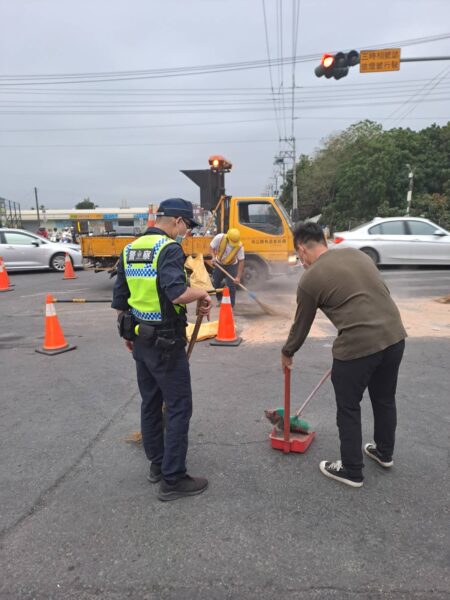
[[10, 215]]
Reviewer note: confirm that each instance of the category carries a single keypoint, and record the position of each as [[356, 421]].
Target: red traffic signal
[[327, 61], [337, 65]]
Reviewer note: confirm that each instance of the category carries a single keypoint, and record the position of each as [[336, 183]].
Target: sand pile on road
[[421, 318]]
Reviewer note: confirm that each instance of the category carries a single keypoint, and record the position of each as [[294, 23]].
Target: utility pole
[[292, 155], [37, 207], [410, 189], [294, 184]]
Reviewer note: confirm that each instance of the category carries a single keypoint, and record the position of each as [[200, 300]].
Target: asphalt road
[[80, 521]]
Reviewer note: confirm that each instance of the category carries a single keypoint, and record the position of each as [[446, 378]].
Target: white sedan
[[22, 250], [399, 241]]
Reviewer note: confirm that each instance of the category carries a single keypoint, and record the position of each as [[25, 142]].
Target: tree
[[86, 204], [362, 172]]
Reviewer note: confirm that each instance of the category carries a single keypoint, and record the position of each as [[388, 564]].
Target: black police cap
[[177, 207]]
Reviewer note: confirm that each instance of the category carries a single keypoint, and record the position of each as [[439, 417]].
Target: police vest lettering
[[221, 251], [140, 259]]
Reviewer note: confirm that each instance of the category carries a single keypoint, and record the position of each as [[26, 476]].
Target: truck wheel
[[255, 273]]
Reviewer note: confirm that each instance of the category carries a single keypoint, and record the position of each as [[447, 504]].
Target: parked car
[[398, 241], [22, 250]]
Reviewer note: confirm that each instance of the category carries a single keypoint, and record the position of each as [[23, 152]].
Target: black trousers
[[171, 384], [350, 378], [218, 277]]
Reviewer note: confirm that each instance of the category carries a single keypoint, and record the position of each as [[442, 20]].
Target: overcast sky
[[116, 141]]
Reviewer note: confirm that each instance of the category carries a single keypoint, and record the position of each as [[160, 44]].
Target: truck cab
[[266, 234]]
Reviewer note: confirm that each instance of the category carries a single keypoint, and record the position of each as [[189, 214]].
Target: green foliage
[[432, 206], [85, 204], [362, 172]]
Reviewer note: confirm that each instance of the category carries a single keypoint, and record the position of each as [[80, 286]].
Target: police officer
[[150, 295]]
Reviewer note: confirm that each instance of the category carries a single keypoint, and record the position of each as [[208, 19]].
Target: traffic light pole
[[424, 58]]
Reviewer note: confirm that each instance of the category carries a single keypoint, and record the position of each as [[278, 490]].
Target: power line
[[354, 118], [270, 67], [94, 77], [257, 100], [305, 104], [242, 91]]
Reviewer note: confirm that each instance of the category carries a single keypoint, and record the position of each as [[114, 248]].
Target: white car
[[22, 250], [398, 241]]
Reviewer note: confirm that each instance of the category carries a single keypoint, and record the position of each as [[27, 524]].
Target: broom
[[297, 425], [269, 310]]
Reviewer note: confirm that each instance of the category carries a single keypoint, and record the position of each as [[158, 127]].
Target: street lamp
[[410, 188]]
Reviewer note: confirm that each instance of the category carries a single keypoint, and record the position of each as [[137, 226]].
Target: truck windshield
[[280, 205]]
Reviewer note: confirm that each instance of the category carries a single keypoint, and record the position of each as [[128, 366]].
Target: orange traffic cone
[[226, 334], [54, 342], [5, 285], [68, 269]]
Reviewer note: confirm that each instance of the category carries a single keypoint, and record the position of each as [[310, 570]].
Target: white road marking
[[58, 293]]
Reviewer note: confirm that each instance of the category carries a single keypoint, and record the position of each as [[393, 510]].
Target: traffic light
[[219, 164], [337, 65]]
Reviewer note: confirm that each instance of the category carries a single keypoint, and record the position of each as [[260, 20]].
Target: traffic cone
[[226, 334], [54, 341], [5, 285], [68, 269]]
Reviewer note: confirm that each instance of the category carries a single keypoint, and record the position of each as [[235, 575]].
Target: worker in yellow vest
[[228, 252]]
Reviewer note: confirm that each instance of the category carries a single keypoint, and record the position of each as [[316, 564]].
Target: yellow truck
[[264, 225], [266, 233]]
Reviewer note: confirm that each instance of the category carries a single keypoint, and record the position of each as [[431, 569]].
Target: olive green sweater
[[346, 285]]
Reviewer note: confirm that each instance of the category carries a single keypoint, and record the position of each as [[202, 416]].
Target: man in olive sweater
[[346, 285]]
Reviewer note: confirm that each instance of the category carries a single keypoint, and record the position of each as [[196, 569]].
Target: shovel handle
[[194, 335]]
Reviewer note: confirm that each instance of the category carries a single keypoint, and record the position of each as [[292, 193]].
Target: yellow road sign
[[378, 61]]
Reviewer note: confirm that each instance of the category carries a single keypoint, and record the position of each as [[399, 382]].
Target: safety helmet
[[234, 236]]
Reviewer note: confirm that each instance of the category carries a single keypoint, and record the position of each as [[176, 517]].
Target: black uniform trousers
[[169, 382], [350, 378]]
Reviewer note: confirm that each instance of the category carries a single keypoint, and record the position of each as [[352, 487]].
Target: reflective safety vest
[[221, 251], [140, 260]]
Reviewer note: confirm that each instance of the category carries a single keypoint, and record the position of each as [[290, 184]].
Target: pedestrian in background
[[150, 295], [228, 252], [42, 231], [346, 285], [55, 235]]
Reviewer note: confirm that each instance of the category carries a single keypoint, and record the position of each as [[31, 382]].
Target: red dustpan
[[286, 440]]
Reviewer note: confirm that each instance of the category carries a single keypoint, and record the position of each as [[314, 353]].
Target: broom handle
[[309, 398], [216, 264], [287, 404]]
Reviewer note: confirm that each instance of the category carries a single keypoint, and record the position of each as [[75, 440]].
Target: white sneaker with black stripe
[[372, 451], [335, 470]]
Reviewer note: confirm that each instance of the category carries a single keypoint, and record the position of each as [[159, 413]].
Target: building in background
[[125, 221]]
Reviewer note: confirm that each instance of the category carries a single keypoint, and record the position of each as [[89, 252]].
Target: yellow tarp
[[199, 277], [207, 330]]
